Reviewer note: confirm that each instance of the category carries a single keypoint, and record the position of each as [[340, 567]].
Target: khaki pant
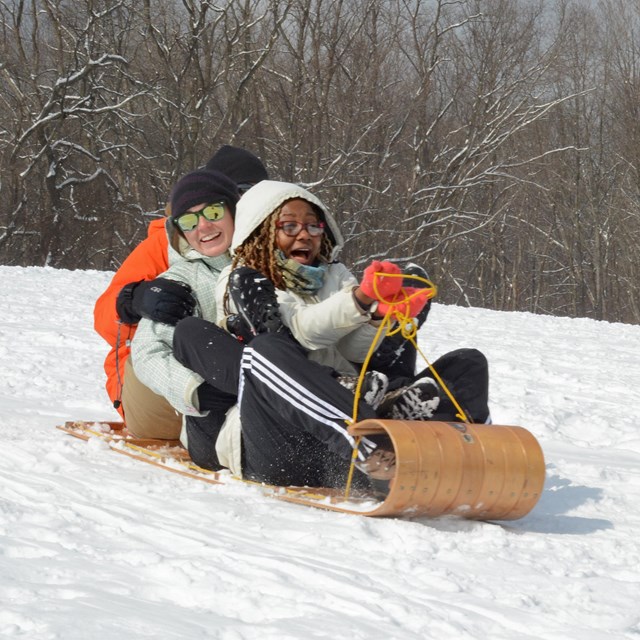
[[147, 414]]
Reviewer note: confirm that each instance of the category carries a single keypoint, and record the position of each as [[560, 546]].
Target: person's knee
[[471, 361], [478, 354], [184, 331], [479, 358], [196, 333], [470, 354]]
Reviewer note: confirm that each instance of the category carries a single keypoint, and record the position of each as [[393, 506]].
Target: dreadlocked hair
[[258, 251]]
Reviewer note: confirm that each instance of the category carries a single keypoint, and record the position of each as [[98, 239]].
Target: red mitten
[[375, 285], [410, 302]]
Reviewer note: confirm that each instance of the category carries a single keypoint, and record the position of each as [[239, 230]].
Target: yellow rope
[[461, 414], [352, 466], [406, 325], [365, 365], [409, 330], [356, 399]]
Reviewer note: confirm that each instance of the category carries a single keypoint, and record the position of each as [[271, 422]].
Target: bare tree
[[494, 141]]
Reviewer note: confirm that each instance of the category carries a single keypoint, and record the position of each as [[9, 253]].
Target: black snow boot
[[255, 299]]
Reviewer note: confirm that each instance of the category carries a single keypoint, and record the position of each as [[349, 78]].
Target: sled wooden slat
[[188, 474], [81, 430], [141, 448]]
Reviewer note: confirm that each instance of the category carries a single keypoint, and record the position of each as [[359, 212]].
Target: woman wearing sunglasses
[[203, 205], [138, 290]]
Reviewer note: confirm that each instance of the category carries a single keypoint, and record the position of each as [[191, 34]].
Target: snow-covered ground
[[96, 545]]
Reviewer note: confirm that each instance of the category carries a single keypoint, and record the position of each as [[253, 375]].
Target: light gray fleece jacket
[[152, 346]]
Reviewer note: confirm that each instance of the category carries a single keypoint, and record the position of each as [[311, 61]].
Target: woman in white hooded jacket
[[305, 320], [319, 298]]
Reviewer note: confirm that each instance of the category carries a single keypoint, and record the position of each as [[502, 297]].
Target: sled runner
[[484, 472], [166, 454]]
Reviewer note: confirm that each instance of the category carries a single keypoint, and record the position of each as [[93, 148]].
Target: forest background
[[496, 142]]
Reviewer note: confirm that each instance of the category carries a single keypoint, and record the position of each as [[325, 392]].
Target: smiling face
[[302, 248], [209, 238]]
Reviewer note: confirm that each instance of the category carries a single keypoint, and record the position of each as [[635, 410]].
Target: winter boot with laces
[[255, 299], [380, 468], [374, 386], [380, 465], [418, 401]]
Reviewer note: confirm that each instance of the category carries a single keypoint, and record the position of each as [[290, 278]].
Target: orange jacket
[[147, 261]]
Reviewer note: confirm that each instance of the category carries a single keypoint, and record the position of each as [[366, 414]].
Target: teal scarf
[[301, 278]]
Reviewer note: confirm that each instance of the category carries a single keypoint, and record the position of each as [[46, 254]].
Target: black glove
[[160, 300]]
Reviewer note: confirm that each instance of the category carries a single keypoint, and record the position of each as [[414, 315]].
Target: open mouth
[[301, 255]]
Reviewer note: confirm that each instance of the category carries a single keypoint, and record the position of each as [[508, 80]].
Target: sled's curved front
[[485, 472]]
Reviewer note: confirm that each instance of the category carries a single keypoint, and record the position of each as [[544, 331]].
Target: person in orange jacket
[[136, 291]]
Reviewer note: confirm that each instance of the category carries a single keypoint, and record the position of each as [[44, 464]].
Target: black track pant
[[211, 352], [294, 416], [466, 374], [464, 371], [294, 412]]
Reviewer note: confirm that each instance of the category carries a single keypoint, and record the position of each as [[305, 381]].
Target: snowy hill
[[95, 545]]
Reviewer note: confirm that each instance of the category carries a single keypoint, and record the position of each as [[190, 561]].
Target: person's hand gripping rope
[[382, 281]]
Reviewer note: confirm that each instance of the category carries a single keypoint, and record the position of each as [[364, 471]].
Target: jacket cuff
[[124, 304], [365, 310]]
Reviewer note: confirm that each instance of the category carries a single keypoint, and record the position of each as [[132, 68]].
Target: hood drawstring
[[117, 403]]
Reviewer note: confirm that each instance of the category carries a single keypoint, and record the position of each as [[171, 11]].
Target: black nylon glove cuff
[[125, 304]]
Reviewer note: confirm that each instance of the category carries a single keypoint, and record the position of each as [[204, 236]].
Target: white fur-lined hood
[[259, 202]]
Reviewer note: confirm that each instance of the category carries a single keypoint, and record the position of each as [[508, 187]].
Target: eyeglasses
[[292, 229], [189, 221]]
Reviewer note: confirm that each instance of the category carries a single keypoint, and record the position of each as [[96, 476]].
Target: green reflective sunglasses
[[189, 221]]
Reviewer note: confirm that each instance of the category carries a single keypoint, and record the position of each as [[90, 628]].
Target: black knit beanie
[[203, 187], [242, 166]]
